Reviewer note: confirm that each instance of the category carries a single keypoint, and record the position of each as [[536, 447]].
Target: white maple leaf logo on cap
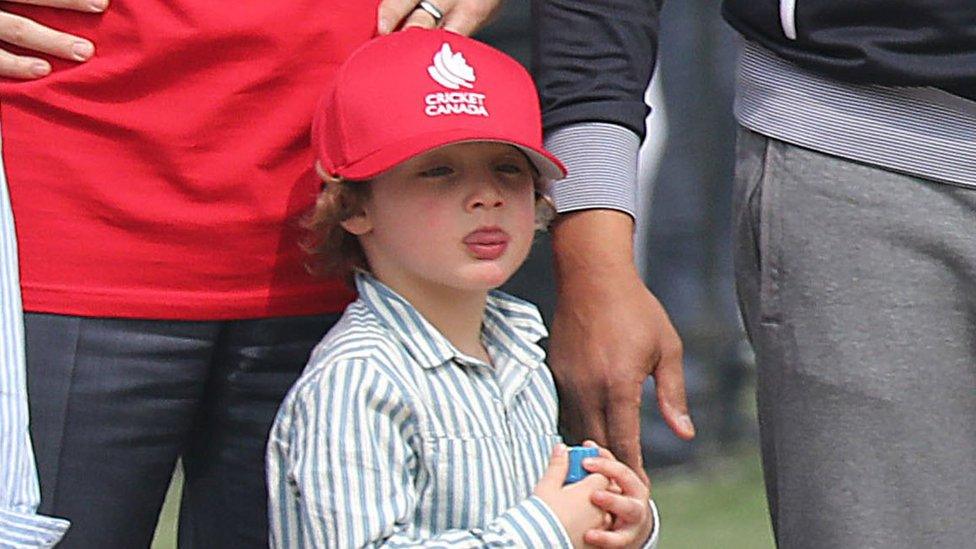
[[450, 69]]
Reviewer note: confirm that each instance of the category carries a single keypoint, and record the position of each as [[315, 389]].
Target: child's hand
[[626, 499], [572, 504]]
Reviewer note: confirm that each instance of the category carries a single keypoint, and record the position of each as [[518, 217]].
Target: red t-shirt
[[164, 177]]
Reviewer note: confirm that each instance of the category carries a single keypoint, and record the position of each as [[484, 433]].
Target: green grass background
[[716, 504]]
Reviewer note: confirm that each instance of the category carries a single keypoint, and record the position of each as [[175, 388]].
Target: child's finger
[[624, 476], [555, 473], [604, 452], [625, 509], [611, 539], [591, 482]]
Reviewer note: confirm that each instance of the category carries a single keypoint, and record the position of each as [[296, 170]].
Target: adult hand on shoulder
[[609, 333], [31, 35], [461, 16]]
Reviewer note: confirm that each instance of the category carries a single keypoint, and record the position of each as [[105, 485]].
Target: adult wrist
[[593, 245]]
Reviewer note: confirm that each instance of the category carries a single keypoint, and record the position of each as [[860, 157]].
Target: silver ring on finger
[[432, 10]]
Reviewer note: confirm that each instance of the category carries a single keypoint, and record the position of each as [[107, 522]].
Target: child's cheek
[[432, 213]]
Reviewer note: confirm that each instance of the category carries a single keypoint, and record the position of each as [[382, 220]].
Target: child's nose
[[486, 196]]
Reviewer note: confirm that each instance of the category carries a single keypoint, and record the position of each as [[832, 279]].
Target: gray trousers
[[858, 290]]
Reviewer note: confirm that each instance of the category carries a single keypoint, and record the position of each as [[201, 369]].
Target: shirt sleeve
[[593, 60], [25, 529], [602, 162], [349, 461], [593, 63]]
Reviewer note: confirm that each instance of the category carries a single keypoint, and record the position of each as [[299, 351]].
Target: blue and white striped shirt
[[393, 437], [19, 493]]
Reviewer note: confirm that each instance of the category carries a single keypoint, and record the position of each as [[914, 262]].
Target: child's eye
[[439, 171], [510, 168]]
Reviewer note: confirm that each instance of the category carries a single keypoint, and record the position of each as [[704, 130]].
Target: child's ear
[[358, 224]]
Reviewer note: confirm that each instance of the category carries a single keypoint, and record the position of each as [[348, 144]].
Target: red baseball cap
[[409, 92]]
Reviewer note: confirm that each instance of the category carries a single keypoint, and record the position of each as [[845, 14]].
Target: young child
[[427, 415]]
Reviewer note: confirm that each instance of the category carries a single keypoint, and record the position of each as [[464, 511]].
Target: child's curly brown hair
[[332, 250]]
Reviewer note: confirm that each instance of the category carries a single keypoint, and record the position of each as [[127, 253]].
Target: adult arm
[[30, 35], [594, 59], [348, 455]]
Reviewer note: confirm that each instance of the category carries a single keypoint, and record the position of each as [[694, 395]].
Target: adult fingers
[[28, 34], [467, 16], [93, 6], [669, 380], [420, 18], [623, 427], [22, 67], [581, 413], [391, 13], [460, 16], [581, 374]]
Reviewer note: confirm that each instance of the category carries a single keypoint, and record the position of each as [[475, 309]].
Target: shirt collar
[[511, 326]]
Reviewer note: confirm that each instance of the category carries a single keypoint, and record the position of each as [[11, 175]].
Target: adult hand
[[609, 333], [461, 16], [30, 35]]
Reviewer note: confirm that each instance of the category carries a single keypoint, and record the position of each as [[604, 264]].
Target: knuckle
[[388, 10], [16, 30], [477, 12], [677, 349], [12, 70], [638, 509], [16, 71], [423, 19], [620, 469]]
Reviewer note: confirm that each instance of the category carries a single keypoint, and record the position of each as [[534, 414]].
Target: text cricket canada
[[455, 103]]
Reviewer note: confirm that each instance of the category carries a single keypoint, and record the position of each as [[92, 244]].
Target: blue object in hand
[[576, 456]]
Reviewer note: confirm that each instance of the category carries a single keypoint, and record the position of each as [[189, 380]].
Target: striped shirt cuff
[[28, 530], [534, 524], [651, 542], [602, 162]]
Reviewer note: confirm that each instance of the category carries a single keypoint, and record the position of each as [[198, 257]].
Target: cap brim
[[377, 162]]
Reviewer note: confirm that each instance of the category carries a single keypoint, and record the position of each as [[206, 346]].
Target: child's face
[[459, 217]]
